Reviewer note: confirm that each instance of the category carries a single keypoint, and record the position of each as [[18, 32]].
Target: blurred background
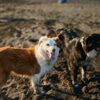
[[49, 1], [23, 22]]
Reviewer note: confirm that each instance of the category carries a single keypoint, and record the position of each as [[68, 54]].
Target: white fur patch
[[83, 73], [45, 64], [82, 41], [92, 53]]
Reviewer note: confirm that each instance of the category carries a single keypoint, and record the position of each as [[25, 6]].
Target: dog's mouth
[[51, 56]]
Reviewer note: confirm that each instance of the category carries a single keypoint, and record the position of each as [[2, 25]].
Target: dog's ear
[[59, 37], [60, 41], [90, 43], [93, 41], [51, 34], [43, 38]]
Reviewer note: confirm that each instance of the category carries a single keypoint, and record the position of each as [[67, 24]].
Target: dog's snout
[[53, 50]]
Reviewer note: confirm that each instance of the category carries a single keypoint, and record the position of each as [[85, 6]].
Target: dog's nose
[[53, 50]]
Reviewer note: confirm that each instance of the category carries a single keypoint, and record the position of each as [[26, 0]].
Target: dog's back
[[13, 59], [74, 49]]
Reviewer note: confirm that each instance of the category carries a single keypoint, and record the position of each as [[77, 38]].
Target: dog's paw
[[39, 91], [76, 88], [36, 92], [75, 84]]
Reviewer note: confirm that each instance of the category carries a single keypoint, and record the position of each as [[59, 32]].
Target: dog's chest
[[92, 54], [44, 64], [45, 67]]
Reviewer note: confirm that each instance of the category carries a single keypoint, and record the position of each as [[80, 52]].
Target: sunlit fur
[[32, 62]]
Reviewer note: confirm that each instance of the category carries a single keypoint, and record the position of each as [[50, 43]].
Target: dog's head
[[90, 44], [58, 37], [49, 47]]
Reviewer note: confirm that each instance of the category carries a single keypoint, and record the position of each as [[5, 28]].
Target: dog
[[33, 62], [78, 52]]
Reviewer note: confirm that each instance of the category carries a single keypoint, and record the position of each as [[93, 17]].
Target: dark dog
[[78, 52]]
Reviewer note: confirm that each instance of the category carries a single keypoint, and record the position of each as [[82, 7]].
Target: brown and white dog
[[79, 51], [34, 62]]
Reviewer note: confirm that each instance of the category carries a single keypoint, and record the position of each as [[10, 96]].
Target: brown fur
[[21, 61], [75, 57]]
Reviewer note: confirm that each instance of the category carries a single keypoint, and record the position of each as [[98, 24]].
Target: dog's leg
[[74, 72], [83, 73], [3, 77], [74, 81], [35, 82]]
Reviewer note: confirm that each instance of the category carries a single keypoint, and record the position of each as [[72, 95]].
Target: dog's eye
[[47, 44]]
